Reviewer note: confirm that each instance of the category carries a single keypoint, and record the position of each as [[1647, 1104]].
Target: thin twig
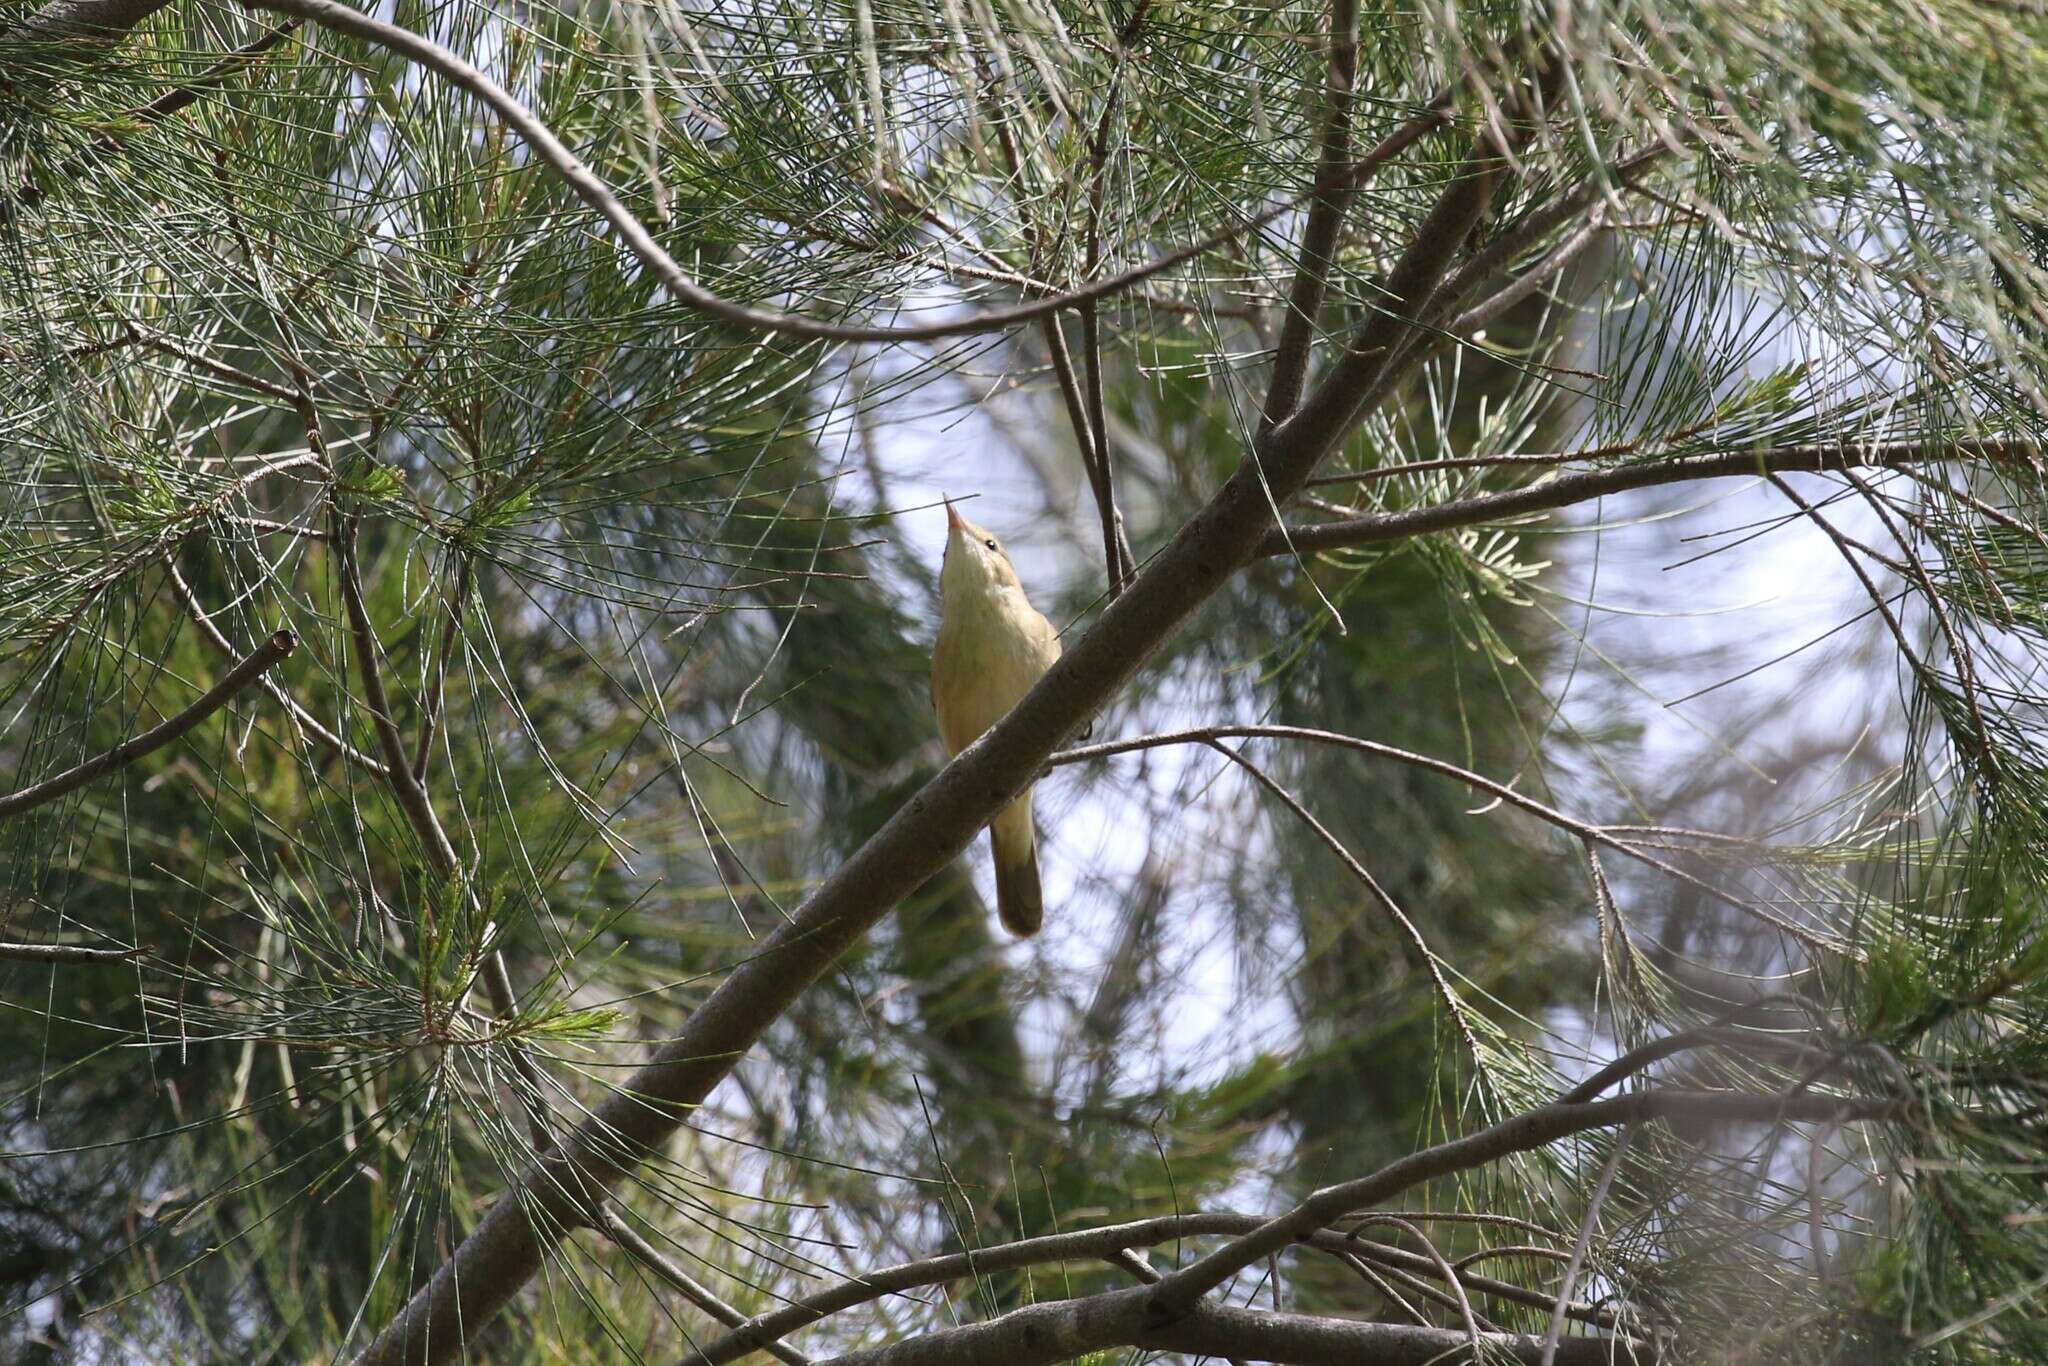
[[298, 713], [1380, 1283], [1496, 255], [1208, 735], [1400, 1259], [1325, 221], [1583, 1243], [1126, 1260], [1485, 312], [418, 808], [261, 659], [1567, 489], [596, 193], [157, 110], [1444, 1270], [430, 695], [1402, 922], [1966, 667], [68, 953], [630, 1241], [399, 776], [1182, 1289], [1116, 548]]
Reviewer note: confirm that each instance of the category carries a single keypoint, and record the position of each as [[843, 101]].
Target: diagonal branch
[[410, 790], [305, 719], [86, 27], [1116, 545], [1334, 409], [1554, 1335], [1402, 922], [253, 667], [635, 1245], [563, 1187], [1494, 306]]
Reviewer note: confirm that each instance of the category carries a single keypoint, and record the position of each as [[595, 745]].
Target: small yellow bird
[[992, 647]]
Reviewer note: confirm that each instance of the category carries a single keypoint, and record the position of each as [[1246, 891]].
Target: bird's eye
[[990, 543]]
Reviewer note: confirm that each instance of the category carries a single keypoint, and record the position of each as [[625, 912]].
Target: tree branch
[[1046, 1334], [1554, 1335], [87, 27], [593, 191], [1299, 1340], [1326, 417], [67, 953], [1568, 489], [195, 609], [1325, 220], [1116, 545], [157, 110], [1093, 1244], [1179, 1292], [156, 737], [1488, 310], [630, 1241], [431, 700], [1079, 1326], [411, 792], [1584, 830], [561, 1189]]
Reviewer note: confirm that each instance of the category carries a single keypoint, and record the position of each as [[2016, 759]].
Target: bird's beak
[[953, 522]]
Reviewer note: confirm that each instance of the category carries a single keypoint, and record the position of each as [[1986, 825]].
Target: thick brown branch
[[1299, 1340], [1046, 1334], [156, 737], [560, 1191], [79, 30], [1093, 1244]]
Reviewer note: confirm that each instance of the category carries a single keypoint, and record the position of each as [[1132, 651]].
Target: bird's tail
[[1015, 840]]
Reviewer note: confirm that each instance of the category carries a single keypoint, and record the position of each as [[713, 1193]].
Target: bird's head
[[975, 560]]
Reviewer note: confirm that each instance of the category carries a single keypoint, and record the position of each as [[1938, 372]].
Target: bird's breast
[[990, 651]]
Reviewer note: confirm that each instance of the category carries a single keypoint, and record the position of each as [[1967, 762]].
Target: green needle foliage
[[612, 613]]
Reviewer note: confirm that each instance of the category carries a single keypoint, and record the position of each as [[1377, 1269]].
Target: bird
[[992, 646]]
